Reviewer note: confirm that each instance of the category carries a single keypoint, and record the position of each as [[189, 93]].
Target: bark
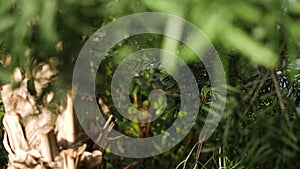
[[35, 137]]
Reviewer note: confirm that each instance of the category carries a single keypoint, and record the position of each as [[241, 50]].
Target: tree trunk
[[37, 138]]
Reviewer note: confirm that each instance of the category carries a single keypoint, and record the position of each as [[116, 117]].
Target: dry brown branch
[[277, 90]]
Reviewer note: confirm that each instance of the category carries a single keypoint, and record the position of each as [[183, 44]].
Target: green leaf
[[294, 7], [47, 22], [246, 12], [168, 6], [5, 6], [6, 22], [253, 50], [294, 29]]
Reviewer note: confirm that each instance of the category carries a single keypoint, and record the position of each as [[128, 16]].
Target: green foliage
[[253, 38]]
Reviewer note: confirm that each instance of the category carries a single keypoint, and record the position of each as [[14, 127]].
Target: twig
[[220, 159], [257, 88], [186, 159], [127, 167], [199, 151], [256, 82], [277, 90], [187, 145]]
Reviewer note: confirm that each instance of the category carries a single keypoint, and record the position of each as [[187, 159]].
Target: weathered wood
[[37, 138]]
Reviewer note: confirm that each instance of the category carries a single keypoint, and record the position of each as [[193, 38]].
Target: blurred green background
[[258, 42]]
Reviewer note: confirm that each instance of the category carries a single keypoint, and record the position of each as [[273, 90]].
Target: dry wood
[[37, 138]]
